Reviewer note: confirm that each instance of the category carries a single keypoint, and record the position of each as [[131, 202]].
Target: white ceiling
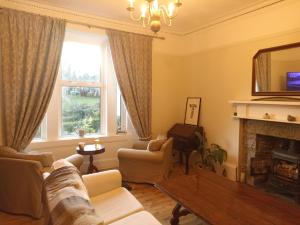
[[193, 15]]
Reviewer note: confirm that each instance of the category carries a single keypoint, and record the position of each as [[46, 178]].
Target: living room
[[211, 59]]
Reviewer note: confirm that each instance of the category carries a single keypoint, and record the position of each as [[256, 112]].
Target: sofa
[[21, 186], [115, 204], [145, 164], [102, 198]]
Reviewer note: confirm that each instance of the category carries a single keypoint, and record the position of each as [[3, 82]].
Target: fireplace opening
[[276, 165]]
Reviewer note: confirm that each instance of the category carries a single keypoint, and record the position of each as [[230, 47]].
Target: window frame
[[51, 126]]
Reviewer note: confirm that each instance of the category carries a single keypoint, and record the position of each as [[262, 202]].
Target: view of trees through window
[[80, 105]]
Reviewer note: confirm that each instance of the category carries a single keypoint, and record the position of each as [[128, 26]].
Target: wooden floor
[[154, 201]]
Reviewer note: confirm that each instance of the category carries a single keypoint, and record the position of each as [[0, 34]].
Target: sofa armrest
[[140, 145], [76, 160], [132, 154], [101, 182]]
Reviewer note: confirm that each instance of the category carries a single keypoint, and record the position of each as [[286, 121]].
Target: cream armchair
[[21, 185], [143, 166]]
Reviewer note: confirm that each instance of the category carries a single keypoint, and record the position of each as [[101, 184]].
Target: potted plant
[[212, 158]]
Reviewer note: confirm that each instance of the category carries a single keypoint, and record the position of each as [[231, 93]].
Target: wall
[[167, 76], [218, 67]]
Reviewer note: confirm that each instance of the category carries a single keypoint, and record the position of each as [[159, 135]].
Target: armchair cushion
[[155, 145], [46, 158]]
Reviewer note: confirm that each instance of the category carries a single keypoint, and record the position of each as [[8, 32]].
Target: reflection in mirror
[[276, 71]]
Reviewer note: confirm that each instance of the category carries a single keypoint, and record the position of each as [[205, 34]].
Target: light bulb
[[131, 3], [171, 9], [143, 10]]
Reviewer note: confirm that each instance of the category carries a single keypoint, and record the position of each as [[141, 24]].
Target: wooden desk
[[91, 151], [219, 201]]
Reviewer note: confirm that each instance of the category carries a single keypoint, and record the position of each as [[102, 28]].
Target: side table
[[91, 151]]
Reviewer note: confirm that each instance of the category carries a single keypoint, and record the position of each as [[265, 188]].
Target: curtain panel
[[30, 54], [132, 58], [263, 68]]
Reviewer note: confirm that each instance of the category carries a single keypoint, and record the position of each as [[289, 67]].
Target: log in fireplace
[[277, 164]]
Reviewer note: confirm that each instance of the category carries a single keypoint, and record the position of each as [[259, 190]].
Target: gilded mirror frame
[[272, 93]]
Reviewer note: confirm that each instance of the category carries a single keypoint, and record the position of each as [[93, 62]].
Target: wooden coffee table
[[91, 151], [219, 201]]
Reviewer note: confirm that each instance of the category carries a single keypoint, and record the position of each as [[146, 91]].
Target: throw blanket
[[67, 197]]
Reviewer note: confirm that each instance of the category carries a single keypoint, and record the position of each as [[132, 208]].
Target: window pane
[[121, 113], [80, 62], [80, 110], [38, 134]]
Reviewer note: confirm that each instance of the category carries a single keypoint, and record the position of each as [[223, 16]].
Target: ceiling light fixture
[[152, 13]]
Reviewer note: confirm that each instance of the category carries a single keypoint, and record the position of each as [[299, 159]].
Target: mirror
[[276, 71]]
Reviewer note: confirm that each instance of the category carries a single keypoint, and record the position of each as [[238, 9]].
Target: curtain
[[30, 54], [263, 71], [132, 58]]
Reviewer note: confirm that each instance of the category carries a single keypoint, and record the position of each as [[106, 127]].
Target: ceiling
[[193, 15]]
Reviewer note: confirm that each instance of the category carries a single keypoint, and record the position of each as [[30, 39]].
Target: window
[[86, 95], [80, 88], [121, 113]]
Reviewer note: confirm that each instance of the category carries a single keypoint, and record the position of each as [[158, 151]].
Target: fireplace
[[270, 156]]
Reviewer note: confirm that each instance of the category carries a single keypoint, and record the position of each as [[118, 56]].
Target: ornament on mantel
[[267, 116], [291, 118]]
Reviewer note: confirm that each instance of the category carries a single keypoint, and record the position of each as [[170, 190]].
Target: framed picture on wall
[[192, 110]]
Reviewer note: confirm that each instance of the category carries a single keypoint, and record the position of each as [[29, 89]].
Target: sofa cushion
[[67, 198], [115, 204], [155, 145], [138, 218]]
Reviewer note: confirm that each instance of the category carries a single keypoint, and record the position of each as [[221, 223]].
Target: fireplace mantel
[[278, 111]]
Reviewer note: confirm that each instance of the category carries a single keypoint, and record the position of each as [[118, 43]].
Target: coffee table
[[91, 150], [219, 201]]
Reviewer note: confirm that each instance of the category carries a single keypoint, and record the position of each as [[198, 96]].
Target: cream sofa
[[113, 203]]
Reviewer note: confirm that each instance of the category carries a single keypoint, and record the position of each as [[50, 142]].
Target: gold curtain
[[263, 71], [30, 54], [132, 58]]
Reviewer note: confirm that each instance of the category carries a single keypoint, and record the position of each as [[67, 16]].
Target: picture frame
[[192, 110]]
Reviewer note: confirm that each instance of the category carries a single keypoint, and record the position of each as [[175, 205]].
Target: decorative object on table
[[267, 116], [192, 110], [291, 118], [91, 151], [81, 145], [152, 13], [80, 132], [97, 143]]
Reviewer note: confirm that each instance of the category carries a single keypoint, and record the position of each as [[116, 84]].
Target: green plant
[[213, 155]]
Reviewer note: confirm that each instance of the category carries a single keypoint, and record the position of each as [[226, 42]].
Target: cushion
[[136, 218], [116, 204], [45, 159], [67, 199], [61, 163], [155, 145]]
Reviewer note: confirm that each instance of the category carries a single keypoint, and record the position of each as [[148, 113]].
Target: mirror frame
[[272, 93]]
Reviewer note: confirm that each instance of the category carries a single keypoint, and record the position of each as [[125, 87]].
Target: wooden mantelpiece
[[277, 110]]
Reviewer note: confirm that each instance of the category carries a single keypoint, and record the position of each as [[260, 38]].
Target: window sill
[[67, 141]]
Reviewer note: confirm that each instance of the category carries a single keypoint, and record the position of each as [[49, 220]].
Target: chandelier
[[151, 13]]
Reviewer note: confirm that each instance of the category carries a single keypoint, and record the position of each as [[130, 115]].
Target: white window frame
[[51, 125]]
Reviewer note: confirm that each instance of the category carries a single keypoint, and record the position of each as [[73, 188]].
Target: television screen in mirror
[[276, 71]]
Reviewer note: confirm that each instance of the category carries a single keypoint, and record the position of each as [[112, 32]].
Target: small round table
[[91, 151]]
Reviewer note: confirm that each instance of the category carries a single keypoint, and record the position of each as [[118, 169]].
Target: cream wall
[[218, 66]]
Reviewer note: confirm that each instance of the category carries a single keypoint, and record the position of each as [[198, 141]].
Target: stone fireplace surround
[[250, 131]]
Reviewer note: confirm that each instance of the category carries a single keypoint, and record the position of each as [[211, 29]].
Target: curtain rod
[[103, 27], [95, 26]]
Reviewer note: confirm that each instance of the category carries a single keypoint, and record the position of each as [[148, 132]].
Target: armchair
[[144, 166], [21, 186]]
